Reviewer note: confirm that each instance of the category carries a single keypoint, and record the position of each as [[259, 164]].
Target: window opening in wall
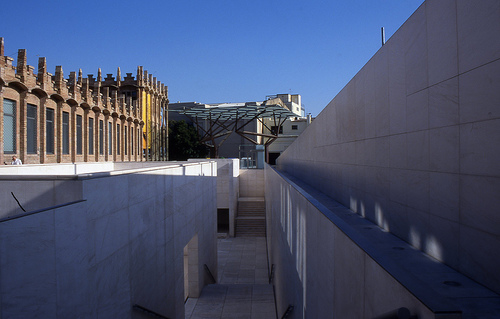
[[49, 131], [79, 144], [273, 156], [110, 138], [274, 130], [294, 127], [65, 132], [223, 220], [101, 137], [139, 142], [125, 140], [132, 141], [118, 132], [9, 126], [31, 129], [91, 136]]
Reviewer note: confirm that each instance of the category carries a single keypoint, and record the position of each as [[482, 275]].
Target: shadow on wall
[[328, 260], [122, 246], [411, 142]]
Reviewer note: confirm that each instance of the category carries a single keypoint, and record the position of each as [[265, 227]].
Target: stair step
[[251, 217]]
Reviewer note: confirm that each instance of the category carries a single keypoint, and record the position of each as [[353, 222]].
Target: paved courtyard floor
[[242, 290]]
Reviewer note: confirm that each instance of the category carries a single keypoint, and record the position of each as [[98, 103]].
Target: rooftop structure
[[252, 121]]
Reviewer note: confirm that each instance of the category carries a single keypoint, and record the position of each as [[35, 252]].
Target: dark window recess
[[79, 143], [91, 136], [125, 140], [101, 137], [9, 126], [118, 133], [273, 156], [31, 130], [49, 131], [274, 130], [110, 138], [294, 127], [65, 132], [222, 220]]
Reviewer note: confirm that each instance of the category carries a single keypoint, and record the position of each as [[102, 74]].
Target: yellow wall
[[146, 116]]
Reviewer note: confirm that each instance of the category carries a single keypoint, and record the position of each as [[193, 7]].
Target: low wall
[[329, 262], [58, 169], [122, 245]]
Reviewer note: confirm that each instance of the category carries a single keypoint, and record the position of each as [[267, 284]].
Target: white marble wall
[[228, 188], [122, 246], [331, 263], [252, 183], [413, 140], [58, 169]]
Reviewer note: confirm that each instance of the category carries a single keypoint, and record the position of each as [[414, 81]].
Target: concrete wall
[[60, 169], [252, 183], [413, 140], [228, 188], [122, 246], [329, 262]]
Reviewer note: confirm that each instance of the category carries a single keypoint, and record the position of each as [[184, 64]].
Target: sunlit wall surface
[[412, 142], [120, 244]]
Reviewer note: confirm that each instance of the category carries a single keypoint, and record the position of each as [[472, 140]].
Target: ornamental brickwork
[[47, 118]]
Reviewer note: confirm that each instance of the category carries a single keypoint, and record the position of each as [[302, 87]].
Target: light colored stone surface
[[478, 27], [122, 246], [412, 141], [328, 260], [242, 289], [251, 182]]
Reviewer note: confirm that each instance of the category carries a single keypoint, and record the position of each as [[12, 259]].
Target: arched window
[[9, 126]]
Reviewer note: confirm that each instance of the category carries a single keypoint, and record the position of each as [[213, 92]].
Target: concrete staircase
[[251, 217]]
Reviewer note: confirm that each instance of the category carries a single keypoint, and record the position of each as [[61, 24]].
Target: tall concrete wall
[[123, 245], [413, 140]]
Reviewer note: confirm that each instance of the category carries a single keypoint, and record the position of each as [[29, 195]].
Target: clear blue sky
[[210, 50]]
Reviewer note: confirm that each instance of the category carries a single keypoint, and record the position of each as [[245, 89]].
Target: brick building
[[46, 118]]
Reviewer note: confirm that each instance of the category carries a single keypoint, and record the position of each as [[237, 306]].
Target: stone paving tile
[[242, 291]]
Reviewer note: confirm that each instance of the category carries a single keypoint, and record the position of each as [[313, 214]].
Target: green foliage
[[184, 142]]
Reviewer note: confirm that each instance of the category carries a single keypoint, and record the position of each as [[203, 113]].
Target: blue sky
[[213, 50]]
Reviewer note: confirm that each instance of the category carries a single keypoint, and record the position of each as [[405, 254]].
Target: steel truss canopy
[[237, 111], [218, 121]]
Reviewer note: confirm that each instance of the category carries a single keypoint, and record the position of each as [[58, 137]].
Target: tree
[[184, 142]]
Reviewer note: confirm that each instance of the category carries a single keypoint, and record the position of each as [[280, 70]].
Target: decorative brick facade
[[50, 119]]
